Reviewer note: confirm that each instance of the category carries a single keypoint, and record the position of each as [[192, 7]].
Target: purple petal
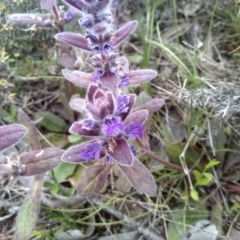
[[77, 104], [139, 116], [133, 149], [92, 152], [122, 104], [132, 99], [121, 153], [93, 179], [73, 39], [11, 134], [79, 78], [112, 126], [140, 76], [140, 177], [69, 16], [85, 130], [134, 130], [47, 4], [124, 82], [73, 154], [123, 32], [38, 19]]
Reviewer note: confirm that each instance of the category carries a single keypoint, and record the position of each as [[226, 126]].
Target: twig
[[146, 232]]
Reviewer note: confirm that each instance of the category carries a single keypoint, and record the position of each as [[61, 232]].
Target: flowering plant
[[111, 122]]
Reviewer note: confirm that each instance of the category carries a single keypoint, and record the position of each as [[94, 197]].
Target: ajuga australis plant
[[110, 121]]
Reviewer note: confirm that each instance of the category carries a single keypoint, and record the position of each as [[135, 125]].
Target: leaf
[[182, 218], [93, 179], [203, 182], [32, 136], [211, 164], [28, 213], [193, 153], [11, 134], [63, 171], [194, 194], [56, 139], [122, 153], [140, 177], [51, 121], [40, 161], [197, 174]]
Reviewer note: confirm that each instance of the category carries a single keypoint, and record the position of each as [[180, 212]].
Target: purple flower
[[111, 123]]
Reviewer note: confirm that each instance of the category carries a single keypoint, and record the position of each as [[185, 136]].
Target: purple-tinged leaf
[[47, 4], [91, 92], [123, 32], [93, 179], [152, 105], [139, 116], [98, 96], [79, 78], [40, 161], [140, 177], [65, 56], [93, 110], [77, 104], [73, 154], [11, 134], [111, 101], [141, 76], [73, 39], [121, 153], [110, 81], [29, 211], [77, 4], [32, 136], [38, 19], [81, 129]]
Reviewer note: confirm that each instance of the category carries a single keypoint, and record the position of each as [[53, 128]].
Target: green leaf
[[193, 153], [182, 218], [209, 176], [194, 194], [73, 138], [197, 175], [56, 139], [203, 181], [212, 163], [51, 121], [29, 211], [63, 171], [53, 187]]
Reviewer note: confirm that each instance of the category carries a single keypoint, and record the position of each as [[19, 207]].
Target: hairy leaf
[[40, 161], [11, 134], [93, 179], [140, 177]]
